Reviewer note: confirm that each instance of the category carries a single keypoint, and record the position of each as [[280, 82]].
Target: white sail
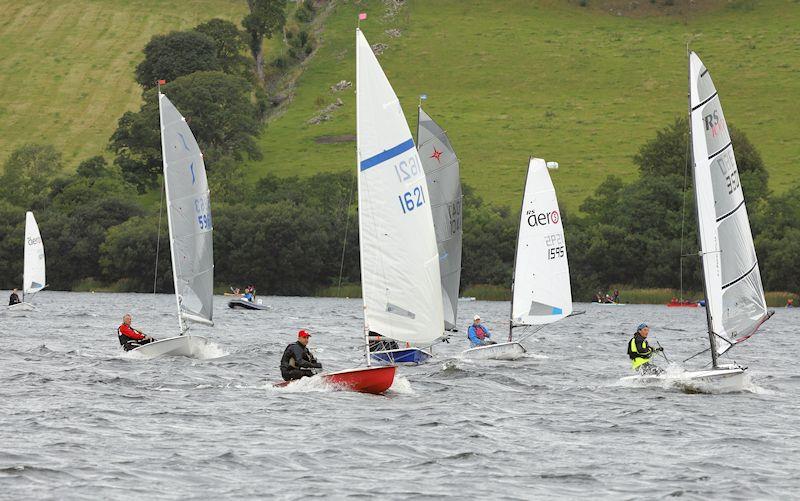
[[735, 296], [444, 185], [399, 258], [34, 275], [541, 288], [189, 216]]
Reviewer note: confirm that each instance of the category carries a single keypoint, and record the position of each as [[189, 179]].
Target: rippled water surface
[[80, 419]]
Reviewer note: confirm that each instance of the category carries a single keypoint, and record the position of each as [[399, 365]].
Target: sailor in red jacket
[[129, 337]]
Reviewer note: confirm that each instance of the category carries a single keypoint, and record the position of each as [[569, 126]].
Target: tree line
[[296, 235]]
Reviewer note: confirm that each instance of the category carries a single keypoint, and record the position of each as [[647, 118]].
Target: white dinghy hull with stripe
[[499, 351], [178, 346]]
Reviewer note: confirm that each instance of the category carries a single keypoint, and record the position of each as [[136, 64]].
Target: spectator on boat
[[13, 298], [789, 302], [298, 361], [249, 294], [641, 353], [478, 334], [129, 337], [616, 296]]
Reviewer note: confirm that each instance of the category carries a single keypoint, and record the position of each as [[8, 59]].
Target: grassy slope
[[509, 80], [66, 67]]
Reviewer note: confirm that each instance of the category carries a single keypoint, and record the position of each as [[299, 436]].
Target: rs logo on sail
[[34, 241], [713, 123], [542, 218]]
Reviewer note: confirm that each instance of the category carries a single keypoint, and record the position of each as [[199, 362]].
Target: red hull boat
[[374, 380], [682, 305]]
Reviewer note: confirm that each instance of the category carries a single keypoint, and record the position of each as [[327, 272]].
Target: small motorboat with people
[[248, 301], [682, 303], [401, 283], [190, 233], [540, 284], [734, 295], [33, 277]]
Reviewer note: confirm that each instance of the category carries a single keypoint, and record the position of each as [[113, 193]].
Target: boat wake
[[401, 386], [675, 377]]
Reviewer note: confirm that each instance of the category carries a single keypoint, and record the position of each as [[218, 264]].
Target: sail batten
[[188, 216], [541, 292], [735, 295], [399, 257], [442, 172]]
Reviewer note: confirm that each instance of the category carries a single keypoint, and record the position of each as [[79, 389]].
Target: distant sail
[[541, 288], [34, 274], [736, 302], [399, 257], [444, 185], [189, 216]]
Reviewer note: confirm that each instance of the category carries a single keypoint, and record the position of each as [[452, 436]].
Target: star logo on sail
[[436, 154]]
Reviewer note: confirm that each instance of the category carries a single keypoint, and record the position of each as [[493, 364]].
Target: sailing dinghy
[[33, 278], [399, 258], [190, 234], [440, 163], [540, 285], [735, 303]]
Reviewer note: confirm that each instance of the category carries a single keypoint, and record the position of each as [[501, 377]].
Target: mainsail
[[734, 294], [444, 186], [399, 258], [189, 215], [34, 277], [541, 288]]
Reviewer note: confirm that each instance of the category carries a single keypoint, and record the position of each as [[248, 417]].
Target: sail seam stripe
[[740, 278], [721, 150], [731, 212], [709, 98], [703, 73], [387, 154]]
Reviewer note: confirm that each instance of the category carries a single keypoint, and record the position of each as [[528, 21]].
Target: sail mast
[[181, 323], [712, 341], [516, 250], [358, 189]]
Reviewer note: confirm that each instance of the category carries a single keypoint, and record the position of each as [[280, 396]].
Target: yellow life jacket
[[637, 362]]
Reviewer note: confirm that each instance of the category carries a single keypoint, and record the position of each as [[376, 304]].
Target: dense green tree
[[265, 18], [12, 233], [127, 256], [229, 42], [28, 174], [175, 55], [219, 111]]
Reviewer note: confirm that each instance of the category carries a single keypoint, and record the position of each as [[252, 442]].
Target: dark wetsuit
[[297, 361], [13, 299], [130, 338]]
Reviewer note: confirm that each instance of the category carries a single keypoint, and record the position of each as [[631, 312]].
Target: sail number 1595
[[410, 200]]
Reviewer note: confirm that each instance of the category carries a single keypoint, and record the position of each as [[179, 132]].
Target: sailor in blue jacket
[[478, 333]]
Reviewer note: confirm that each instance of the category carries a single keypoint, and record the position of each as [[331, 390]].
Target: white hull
[[23, 306], [722, 379], [178, 346], [499, 351]]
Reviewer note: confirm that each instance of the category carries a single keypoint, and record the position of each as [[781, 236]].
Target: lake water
[[80, 419]]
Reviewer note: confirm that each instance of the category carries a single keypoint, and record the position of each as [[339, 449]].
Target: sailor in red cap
[[297, 360]]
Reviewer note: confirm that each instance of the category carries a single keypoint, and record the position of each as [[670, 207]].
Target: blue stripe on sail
[[557, 311], [387, 154]]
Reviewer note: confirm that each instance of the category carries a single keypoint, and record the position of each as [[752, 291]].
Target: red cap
[[303, 333]]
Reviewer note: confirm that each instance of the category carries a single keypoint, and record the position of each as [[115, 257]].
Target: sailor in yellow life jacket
[[641, 353]]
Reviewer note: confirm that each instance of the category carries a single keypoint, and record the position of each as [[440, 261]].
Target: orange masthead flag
[[162, 82], [362, 16]]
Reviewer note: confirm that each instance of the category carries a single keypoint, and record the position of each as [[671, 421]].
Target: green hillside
[[507, 79], [571, 84], [66, 66]]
